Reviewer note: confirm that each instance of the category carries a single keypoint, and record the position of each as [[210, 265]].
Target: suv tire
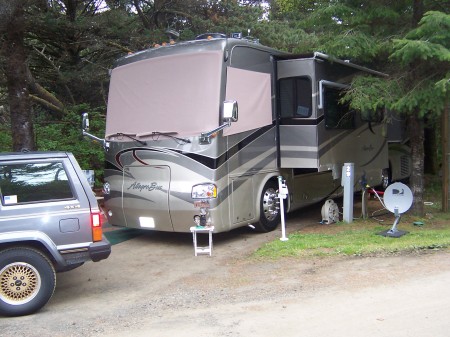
[[27, 281]]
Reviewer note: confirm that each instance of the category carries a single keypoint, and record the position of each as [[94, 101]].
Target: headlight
[[204, 191]]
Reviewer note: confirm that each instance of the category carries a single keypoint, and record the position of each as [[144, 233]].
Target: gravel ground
[[153, 285]]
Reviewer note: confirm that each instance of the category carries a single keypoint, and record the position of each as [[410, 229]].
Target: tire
[[386, 179], [27, 281], [269, 217]]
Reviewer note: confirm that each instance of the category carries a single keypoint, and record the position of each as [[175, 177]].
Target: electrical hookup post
[[347, 181], [282, 194]]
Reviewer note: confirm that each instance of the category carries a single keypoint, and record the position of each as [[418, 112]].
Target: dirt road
[[153, 285], [410, 305]]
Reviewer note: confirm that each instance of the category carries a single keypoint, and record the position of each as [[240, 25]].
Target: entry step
[[205, 230]]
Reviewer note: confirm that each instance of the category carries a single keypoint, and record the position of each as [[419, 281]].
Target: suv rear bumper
[[99, 250]]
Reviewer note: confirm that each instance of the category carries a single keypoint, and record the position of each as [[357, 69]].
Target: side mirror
[[85, 129], [230, 111], [229, 114], [85, 122]]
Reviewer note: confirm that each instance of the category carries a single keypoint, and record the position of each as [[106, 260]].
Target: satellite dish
[[398, 198]]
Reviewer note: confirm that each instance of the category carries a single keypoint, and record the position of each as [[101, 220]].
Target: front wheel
[[27, 281], [269, 208]]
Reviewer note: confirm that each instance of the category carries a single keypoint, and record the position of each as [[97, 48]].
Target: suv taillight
[[96, 222]]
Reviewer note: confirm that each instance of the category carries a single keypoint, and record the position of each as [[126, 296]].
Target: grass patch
[[350, 240], [361, 238]]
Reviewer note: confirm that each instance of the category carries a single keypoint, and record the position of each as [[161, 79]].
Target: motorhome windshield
[[177, 93]]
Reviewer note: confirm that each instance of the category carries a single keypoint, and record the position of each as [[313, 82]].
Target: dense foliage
[[56, 55]]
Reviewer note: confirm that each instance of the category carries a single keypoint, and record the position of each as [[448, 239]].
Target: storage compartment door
[[242, 200], [146, 197]]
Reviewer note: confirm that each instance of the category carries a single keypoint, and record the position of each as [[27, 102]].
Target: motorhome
[[207, 126]]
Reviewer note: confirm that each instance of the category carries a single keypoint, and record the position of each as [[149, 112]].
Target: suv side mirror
[[230, 111]]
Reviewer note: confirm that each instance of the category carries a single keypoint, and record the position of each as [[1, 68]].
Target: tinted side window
[[33, 182], [337, 115], [295, 97]]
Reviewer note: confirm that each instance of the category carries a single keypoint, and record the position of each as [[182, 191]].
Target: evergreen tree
[[395, 38], [56, 54], [14, 55]]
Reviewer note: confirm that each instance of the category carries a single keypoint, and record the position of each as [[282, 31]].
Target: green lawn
[[361, 238]]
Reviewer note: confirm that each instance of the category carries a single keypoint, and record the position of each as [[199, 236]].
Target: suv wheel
[[27, 281]]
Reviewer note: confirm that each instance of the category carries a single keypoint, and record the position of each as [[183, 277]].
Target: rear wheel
[[27, 281], [269, 208], [386, 178]]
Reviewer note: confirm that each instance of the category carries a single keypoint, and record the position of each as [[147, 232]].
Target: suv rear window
[[33, 182]]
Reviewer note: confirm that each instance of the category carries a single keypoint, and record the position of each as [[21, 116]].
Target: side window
[[295, 97], [337, 114], [33, 182]]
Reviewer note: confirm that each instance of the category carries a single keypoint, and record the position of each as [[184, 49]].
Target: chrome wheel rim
[[270, 206]]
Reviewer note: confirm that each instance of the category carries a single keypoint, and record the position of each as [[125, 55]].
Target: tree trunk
[[431, 165], [418, 11], [416, 136], [416, 133], [445, 157], [142, 16], [16, 79]]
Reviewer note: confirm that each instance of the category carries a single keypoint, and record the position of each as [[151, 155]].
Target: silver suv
[[49, 222]]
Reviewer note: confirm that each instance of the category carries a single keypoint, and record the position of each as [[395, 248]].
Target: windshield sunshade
[[178, 93]]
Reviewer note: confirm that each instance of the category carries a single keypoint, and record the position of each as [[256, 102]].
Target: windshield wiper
[[171, 135], [120, 134]]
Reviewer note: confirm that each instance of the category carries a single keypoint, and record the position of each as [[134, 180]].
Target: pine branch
[[47, 104], [125, 49], [56, 69], [45, 97]]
